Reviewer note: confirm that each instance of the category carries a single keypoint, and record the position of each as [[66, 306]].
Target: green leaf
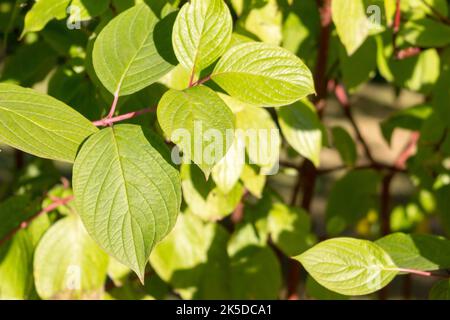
[[351, 198], [227, 171], [68, 264], [201, 33], [255, 273], [13, 211], [440, 291], [199, 122], [78, 91], [425, 7], [351, 23], [177, 78], [42, 12], [411, 118], [193, 259], [264, 21], [204, 198], [127, 193], [417, 251], [132, 52], [419, 73], [349, 266], [443, 203], [262, 137], [16, 267], [162, 7], [83, 10], [29, 64], [301, 29], [317, 291], [365, 57], [426, 33], [253, 181], [345, 145], [66, 43], [302, 129], [260, 261], [41, 125], [263, 74], [289, 228]]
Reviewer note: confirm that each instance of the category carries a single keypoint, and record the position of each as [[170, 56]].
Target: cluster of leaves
[[216, 229]]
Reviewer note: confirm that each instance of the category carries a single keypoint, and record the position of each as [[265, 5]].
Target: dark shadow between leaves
[[162, 37]]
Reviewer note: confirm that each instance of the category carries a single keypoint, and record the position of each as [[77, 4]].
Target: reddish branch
[[408, 151], [407, 53], [342, 97], [24, 224], [112, 110], [108, 121], [403, 53], [398, 17], [199, 82]]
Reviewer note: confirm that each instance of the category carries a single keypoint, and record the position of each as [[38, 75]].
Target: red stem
[[201, 81], [398, 17], [112, 110], [108, 121], [407, 53], [416, 272], [408, 151], [26, 223], [191, 78]]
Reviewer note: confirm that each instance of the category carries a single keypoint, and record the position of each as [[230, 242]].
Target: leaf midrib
[[127, 68]]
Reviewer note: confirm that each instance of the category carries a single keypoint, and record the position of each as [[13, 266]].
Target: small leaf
[[253, 181], [302, 128], [204, 198], [262, 137], [227, 171], [201, 33], [68, 264], [16, 267], [417, 251], [83, 10], [193, 259], [41, 125], [42, 12], [366, 60], [410, 118], [131, 52], [351, 198], [289, 228], [426, 33], [255, 273], [13, 211], [345, 145], [127, 193], [264, 21], [263, 74], [349, 266], [440, 291], [351, 23], [199, 122], [30, 64]]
